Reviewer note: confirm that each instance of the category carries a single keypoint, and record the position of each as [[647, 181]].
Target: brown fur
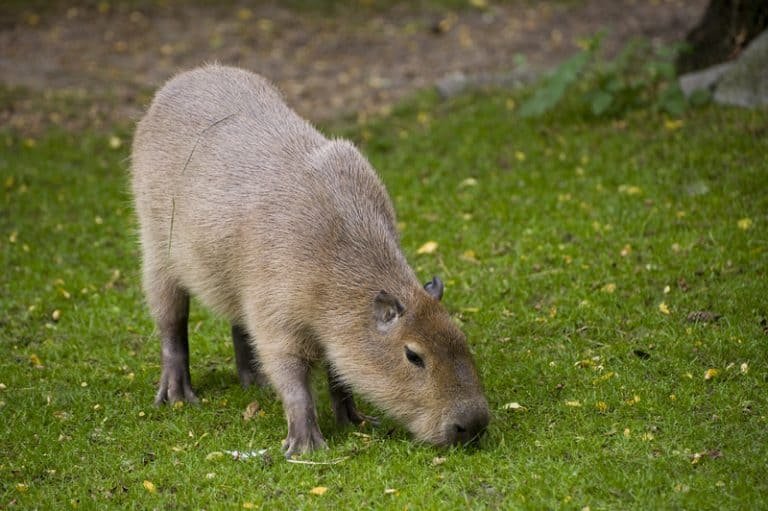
[[292, 237]]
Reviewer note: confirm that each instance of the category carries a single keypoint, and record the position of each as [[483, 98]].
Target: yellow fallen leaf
[[390, 491], [470, 181], [469, 256], [249, 505], [744, 368], [115, 142], [318, 490], [35, 360], [608, 288], [21, 487], [601, 406], [519, 156], [744, 224], [663, 308], [673, 124], [626, 250], [56, 315], [630, 190], [514, 406], [574, 403], [711, 373], [150, 486], [604, 377], [480, 4], [427, 248]]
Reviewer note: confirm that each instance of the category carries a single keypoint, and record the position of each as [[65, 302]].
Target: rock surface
[[746, 82], [705, 79]]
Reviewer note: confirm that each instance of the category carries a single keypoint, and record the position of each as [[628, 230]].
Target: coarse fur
[[292, 237]]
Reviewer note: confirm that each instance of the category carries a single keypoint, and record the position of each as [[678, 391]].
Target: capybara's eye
[[413, 357]]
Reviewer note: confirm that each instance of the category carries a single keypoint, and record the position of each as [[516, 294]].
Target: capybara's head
[[420, 370]]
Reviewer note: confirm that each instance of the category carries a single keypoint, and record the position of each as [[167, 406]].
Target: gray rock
[[457, 82], [706, 79], [746, 83], [452, 84]]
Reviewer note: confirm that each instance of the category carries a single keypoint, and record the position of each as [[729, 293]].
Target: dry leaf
[[427, 248], [438, 460], [703, 317], [711, 373], [514, 406], [608, 288], [663, 308], [251, 410], [150, 486], [318, 490], [574, 403]]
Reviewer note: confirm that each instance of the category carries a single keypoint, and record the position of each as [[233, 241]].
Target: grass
[[559, 239]]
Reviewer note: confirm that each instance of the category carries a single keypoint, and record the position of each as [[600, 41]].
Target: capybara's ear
[[386, 310], [435, 288]]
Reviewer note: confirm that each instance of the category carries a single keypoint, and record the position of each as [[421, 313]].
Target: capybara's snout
[[467, 423]]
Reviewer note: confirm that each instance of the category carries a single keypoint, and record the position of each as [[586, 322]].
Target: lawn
[[610, 275]]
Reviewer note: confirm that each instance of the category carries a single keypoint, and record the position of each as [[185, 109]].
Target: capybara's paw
[[250, 376], [175, 386], [304, 442], [350, 415]]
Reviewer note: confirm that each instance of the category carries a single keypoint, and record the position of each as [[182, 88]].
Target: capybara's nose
[[468, 426]]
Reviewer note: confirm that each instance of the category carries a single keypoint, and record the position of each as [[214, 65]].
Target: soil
[[106, 58]]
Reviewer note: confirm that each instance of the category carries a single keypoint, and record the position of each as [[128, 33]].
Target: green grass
[[557, 254]]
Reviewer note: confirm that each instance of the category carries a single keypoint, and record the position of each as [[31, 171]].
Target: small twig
[[307, 462]]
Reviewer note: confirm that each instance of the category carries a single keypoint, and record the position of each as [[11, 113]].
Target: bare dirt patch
[[96, 65]]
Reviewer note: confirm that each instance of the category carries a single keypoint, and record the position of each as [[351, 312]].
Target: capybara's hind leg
[[248, 368], [169, 304]]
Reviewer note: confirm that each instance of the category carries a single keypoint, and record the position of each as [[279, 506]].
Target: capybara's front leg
[[343, 404], [289, 375]]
